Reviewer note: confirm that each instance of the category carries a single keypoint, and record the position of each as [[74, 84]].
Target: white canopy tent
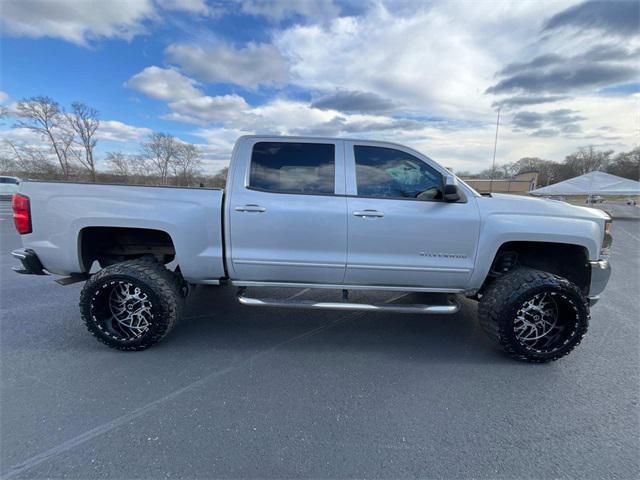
[[592, 183]]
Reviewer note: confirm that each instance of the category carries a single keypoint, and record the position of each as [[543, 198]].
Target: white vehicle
[[8, 186], [321, 213]]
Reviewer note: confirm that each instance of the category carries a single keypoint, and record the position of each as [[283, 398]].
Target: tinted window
[[385, 172], [8, 180], [293, 167]]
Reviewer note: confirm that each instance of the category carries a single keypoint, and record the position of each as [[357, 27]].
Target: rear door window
[[290, 167]]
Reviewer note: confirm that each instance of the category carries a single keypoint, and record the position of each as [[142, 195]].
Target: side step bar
[[450, 308]]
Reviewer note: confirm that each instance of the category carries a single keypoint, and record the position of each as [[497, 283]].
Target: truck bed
[[61, 212]]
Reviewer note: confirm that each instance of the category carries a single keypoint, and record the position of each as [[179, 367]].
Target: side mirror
[[451, 190]]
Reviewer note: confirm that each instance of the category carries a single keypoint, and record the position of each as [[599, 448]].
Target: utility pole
[[495, 147]]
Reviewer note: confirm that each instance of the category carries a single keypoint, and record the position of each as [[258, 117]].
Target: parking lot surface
[[267, 393]]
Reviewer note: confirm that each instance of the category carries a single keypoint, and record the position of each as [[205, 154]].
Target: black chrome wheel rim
[[546, 322], [122, 310]]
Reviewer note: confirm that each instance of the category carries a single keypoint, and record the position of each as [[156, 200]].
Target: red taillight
[[21, 213]]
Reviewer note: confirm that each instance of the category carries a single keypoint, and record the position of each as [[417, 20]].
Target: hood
[[504, 203]]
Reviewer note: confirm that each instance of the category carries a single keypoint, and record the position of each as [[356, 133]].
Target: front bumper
[[600, 273], [30, 262]]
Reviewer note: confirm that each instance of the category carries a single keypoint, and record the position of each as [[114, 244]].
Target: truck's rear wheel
[[534, 316], [131, 305]]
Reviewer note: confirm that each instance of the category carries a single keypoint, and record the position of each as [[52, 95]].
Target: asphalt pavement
[[236, 392]]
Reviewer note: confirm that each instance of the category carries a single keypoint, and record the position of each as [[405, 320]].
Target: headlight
[[608, 239]]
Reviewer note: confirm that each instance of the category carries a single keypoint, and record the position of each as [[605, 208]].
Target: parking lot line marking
[[296, 295], [139, 412], [630, 234]]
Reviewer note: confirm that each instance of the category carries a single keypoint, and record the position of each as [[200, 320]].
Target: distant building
[[520, 184]]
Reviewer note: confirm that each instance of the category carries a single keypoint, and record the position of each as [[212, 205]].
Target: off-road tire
[[163, 288], [504, 298]]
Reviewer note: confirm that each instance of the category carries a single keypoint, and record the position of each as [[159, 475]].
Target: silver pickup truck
[[320, 213]]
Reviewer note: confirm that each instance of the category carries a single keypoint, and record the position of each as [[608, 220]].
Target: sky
[[428, 74]]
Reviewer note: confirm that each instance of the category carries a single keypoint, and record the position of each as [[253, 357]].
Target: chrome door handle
[[251, 208], [368, 214]]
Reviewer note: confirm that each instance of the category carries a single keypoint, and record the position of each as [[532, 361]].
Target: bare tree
[[7, 162], [219, 179], [161, 150], [43, 116], [83, 121], [28, 160], [187, 164], [587, 159], [132, 168], [119, 164], [548, 170], [496, 173], [626, 164]]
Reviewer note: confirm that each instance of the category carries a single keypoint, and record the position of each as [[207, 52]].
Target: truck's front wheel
[[131, 305], [534, 316]]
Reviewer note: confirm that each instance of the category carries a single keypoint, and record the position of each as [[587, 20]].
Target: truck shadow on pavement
[[215, 320]]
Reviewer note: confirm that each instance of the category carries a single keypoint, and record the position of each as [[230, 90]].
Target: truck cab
[[346, 212]]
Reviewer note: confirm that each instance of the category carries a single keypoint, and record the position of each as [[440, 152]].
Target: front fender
[[500, 228]]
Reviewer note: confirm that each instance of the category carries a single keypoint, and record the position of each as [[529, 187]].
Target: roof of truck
[[331, 139]]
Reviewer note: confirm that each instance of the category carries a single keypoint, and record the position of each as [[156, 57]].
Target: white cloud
[[416, 76], [198, 7], [207, 109], [163, 84], [436, 58], [255, 64], [419, 60], [3, 97], [472, 148], [280, 9], [116, 131], [284, 116], [216, 151], [221, 139], [606, 120], [75, 21], [462, 146], [187, 102], [21, 135], [109, 130]]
